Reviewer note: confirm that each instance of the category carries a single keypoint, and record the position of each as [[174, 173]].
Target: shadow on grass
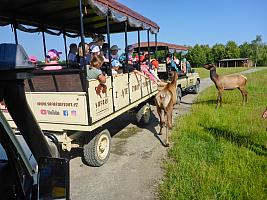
[[239, 140], [207, 102]]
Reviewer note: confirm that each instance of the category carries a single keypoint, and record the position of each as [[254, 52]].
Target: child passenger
[[94, 71], [53, 56], [72, 56]]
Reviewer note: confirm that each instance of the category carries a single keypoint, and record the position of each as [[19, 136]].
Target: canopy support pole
[[139, 49], [109, 59], [126, 59], [15, 32], [66, 53], [82, 34], [148, 45], [156, 44], [139, 60], [126, 42], [85, 83], [109, 52]]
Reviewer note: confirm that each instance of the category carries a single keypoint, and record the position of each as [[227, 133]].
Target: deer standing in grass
[[227, 82], [165, 100]]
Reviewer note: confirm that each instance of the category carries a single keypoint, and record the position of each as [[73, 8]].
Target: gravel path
[[134, 167]]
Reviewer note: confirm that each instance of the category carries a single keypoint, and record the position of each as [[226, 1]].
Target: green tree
[[208, 53], [232, 50], [246, 50], [257, 45], [196, 56], [218, 52]]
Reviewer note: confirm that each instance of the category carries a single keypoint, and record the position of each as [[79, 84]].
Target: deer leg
[[219, 98], [161, 121], [169, 116], [244, 95], [168, 123], [167, 135]]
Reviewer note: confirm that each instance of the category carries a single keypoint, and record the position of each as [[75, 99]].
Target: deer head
[[209, 66]]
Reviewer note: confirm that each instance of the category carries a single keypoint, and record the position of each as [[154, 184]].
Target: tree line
[[256, 50]]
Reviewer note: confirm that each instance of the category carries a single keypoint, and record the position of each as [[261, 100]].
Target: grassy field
[[220, 154], [203, 73]]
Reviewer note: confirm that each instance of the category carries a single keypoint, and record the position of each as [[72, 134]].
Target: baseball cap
[[116, 63]]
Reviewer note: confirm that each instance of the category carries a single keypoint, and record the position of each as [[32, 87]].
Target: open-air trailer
[[64, 102]]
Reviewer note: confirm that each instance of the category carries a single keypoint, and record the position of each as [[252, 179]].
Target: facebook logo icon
[[65, 113]]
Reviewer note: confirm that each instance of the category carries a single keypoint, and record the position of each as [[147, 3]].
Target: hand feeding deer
[[165, 100], [227, 82]]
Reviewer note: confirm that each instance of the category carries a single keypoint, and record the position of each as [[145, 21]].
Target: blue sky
[[185, 22]]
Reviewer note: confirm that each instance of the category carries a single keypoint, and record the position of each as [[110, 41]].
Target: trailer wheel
[[178, 95], [196, 87], [143, 115], [96, 152]]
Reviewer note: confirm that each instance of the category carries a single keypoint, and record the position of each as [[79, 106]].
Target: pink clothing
[[145, 70], [52, 67]]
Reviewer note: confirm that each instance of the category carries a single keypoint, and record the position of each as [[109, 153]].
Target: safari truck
[[67, 106], [189, 82], [28, 167]]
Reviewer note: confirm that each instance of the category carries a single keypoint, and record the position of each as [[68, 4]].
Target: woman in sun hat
[[53, 56], [114, 52]]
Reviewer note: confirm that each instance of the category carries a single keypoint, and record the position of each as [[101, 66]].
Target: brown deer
[[165, 100], [227, 82]]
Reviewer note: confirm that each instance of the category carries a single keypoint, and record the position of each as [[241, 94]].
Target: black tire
[[143, 113], [196, 87], [178, 95], [146, 117], [94, 152]]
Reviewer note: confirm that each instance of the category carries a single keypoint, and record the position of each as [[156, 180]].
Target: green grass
[[220, 154], [203, 73]]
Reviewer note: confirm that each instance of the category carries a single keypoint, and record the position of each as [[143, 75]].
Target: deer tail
[[244, 77]]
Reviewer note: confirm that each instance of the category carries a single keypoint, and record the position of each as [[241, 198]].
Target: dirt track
[[134, 167]]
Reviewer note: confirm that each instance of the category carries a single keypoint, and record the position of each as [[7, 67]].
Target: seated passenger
[[94, 72], [188, 67], [87, 57], [114, 52], [95, 50], [147, 68], [33, 60], [72, 56], [53, 56], [177, 61], [172, 65], [105, 50], [115, 67], [183, 65]]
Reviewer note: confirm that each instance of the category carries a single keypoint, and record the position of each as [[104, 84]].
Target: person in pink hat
[[53, 59], [33, 59]]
